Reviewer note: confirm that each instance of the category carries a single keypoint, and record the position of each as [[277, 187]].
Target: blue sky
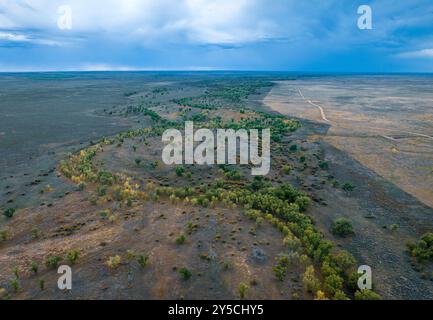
[[316, 36]]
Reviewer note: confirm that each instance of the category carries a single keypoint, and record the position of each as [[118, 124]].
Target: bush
[[72, 256], [423, 249], [180, 171], [3, 235], [333, 283], [114, 262], [344, 260], [342, 227], [352, 282], [15, 285], [279, 272], [53, 261], [41, 284], [287, 169], [324, 165], [185, 274], [143, 259], [181, 239], [340, 295], [102, 190], [9, 212], [366, 295], [280, 269], [34, 267], [303, 202], [348, 186], [242, 289], [311, 283]]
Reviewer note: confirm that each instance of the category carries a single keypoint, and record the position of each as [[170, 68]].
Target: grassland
[[132, 227]]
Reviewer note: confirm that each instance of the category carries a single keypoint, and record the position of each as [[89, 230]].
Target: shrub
[[9, 212], [242, 290], [279, 272], [72, 256], [344, 260], [342, 227], [34, 267], [303, 202], [104, 213], [180, 171], [143, 259], [81, 186], [324, 165], [3, 235], [114, 262], [332, 284], [287, 169], [185, 274], [352, 282], [102, 190], [130, 254], [35, 233], [340, 295], [348, 186], [311, 283], [423, 249], [15, 285], [53, 261], [41, 284], [3, 294], [181, 239], [280, 269], [366, 295], [106, 177], [320, 295]]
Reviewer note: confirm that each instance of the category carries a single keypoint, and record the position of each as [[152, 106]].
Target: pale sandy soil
[[397, 144]]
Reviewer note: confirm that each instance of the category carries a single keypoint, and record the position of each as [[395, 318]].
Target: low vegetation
[[423, 249], [342, 227]]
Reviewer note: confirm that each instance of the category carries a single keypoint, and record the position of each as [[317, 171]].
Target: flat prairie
[[82, 183]]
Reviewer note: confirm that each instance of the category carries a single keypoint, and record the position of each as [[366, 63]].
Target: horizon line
[[204, 70]]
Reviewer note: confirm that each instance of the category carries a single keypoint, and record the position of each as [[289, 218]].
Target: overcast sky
[[216, 35]]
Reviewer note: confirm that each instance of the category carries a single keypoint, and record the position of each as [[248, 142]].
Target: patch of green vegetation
[[423, 249], [9, 212], [143, 260], [280, 269], [185, 274], [34, 267], [52, 262], [324, 165], [342, 227], [181, 239], [279, 204], [3, 235], [366, 295], [114, 262], [180, 171], [72, 256], [242, 290], [348, 187]]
